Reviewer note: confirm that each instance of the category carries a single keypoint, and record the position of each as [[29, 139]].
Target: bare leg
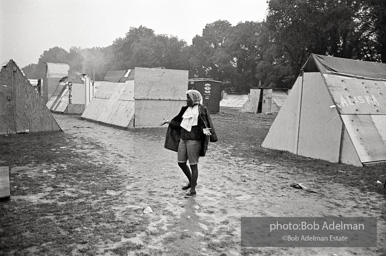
[[184, 167], [194, 177]]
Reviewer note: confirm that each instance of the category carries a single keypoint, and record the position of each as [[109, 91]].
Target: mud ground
[[83, 191]]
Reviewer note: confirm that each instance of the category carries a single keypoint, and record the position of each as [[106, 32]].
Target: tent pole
[[300, 111]]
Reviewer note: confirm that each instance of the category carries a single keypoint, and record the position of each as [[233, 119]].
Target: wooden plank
[[368, 136], [105, 90], [30, 113], [78, 94], [75, 109], [52, 84], [94, 109], [63, 95], [7, 103], [56, 97], [267, 101], [253, 101], [111, 102], [380, 125], [234, 100], [320, 127], [348, 154], [279, 97], [110, 105], [358, 96], [5, 189], [150, 113], [123, 114], [128, 93], [157, 83]]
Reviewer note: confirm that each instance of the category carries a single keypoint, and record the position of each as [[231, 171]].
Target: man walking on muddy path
[[189, 134]]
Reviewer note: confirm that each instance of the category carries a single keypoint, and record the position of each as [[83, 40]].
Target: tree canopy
[[270, 53]]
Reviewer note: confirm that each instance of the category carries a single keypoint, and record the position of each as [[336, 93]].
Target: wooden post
[[5, 191]]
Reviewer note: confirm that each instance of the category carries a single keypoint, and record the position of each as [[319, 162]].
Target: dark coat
[[174, 130]]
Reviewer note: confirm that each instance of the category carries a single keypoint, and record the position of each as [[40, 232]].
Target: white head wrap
[[190, 117]]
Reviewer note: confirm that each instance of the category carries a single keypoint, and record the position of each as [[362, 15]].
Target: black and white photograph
[[193, 128]]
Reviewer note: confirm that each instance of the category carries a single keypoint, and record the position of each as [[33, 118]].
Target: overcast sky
[[29, 27]]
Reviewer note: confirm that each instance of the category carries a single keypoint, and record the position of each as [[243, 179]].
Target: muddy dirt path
[[130, 170]]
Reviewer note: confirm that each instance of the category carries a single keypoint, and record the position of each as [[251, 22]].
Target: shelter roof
[[57, 70], [203, 79], [119, 76], [342, 66]]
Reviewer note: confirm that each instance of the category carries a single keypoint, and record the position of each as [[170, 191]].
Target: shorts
[[189, 150]]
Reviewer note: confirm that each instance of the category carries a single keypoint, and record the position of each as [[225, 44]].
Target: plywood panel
[[78, 94], [97, 106], [253, 101], [128, 93], [61, 107], [75, 109], [124, 113], [150, 113], [279, 97], [320, 127], [54, 97], [7, 105], [358, 96], [110, 106], [157, 83], [380, 125], [30, 113], [105, 90], [348, 153], [283, 132], [368, 136], [233, 100], [94, 109], [111, 102], [267, 101], [52, 84], [61, 101]]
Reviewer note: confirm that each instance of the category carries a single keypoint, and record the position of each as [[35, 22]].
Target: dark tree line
[[271, 52]]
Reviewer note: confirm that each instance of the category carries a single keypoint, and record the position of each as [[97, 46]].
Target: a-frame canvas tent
[[21, 107], [336, 111]]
